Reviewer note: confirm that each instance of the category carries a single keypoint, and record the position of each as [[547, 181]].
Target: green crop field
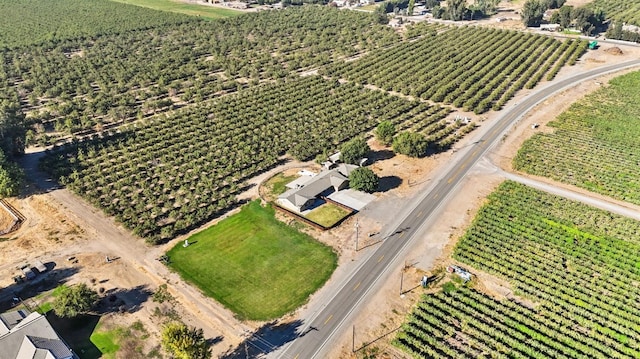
[[576, 265], [27, 22], [255, 265], [205, 11], [595, 143]]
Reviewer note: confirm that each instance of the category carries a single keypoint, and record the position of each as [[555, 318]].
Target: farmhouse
[[304, 194], [25, 335]]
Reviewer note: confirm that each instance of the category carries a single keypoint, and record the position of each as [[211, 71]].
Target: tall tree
[[565, 15], [532, 12], [74, 300], [456, 9], [11, 177], [412, 144], [364, 179], [185, 342], [410, 7], [354, 150]]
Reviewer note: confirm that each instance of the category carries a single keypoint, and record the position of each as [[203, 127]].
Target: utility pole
[[353, 342], [357, 226]]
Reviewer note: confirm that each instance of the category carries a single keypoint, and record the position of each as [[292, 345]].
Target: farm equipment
[[461, 272], [593, 45]]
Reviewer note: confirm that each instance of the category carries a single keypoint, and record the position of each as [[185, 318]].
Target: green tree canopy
[[385, 132], [74, 300], [354, 150], [364, 179], [412, 144], [456, 9], [565, 16], [11, 176], [185, 342], [532, 12]]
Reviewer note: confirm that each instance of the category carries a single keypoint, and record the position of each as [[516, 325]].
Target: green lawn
[[205, 11], [255, 265], [327, 215], [277, 184], [106, 341]]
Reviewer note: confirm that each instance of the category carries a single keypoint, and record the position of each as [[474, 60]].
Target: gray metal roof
[[55, 346], [32, 338]]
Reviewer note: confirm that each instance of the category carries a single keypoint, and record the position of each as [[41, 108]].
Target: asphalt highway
[[328, 323]]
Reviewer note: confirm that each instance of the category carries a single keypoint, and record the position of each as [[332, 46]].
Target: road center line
[[379, 259], [328, 319], [357, 285]]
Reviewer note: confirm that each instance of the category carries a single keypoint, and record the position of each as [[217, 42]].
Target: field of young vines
[[579, 266], [163, 176], [627, 11], [474, 68], [595, 144]]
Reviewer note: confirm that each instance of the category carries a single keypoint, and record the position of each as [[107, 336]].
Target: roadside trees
[[364, 179], [412, 144], [185, 342], [533, 11], [354, 150]]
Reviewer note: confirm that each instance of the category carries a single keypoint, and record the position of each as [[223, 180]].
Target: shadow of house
[[77, 332], [268, 338]]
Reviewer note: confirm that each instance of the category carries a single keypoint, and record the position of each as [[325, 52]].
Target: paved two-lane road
[[328, 323]]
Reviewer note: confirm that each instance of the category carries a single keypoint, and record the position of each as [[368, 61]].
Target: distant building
[[549, 27], [25, 335]]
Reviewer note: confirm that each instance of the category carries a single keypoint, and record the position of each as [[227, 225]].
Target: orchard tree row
[[473, 68], [89, 83], [625, 11], [28, 22], [168, 174]]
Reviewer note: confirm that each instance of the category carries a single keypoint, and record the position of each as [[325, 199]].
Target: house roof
[[33, 338], [11, 319], [316, 185]]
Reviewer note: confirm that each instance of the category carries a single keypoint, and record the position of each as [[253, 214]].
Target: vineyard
[[163, 176], [577, 264], [28, 22], [473, 68], [594, 144], [627, 11]]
